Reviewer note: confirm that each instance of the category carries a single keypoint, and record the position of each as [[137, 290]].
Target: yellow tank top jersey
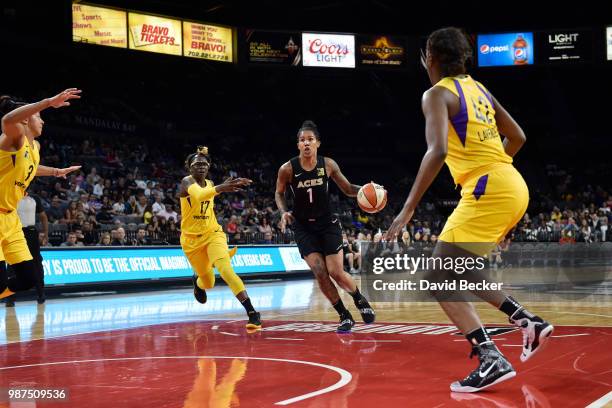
[[198, 216], [473, 138], [17, 169]]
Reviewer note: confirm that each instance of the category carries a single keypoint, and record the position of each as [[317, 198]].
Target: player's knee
[[206, 282], [335, 273], [25, 276]]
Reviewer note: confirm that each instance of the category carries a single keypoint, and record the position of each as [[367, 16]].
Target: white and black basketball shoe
[[493, 369], [346, 323], [536, 332]]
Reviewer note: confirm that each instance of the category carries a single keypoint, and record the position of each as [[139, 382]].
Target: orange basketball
[[372, 198]]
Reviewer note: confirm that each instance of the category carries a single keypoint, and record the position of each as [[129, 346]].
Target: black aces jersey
[[310, 191]]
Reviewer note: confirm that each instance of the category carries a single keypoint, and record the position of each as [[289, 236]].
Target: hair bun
[[309, 124]]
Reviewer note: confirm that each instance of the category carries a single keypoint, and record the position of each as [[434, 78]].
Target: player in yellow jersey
[[202, 238], [463, 126], [19, 163]]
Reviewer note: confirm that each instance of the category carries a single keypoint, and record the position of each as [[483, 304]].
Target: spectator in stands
[[141, 238], [118, 235], [98, 189], [148, 214], [43, 240], [603, 230], [73, 192], [71, 240], [93, 178], [157, 205], [89, 236], [84, 200], [265, 226], [585, 232], [56, 212], [168, 213], [70, 215], [78, 231], [141, 205], [232, 226]]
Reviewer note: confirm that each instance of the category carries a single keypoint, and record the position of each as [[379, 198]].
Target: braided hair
[[200, 151], [309, 125], [451, 48]]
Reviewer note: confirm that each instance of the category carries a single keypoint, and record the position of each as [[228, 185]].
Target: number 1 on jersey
[[310, 194]]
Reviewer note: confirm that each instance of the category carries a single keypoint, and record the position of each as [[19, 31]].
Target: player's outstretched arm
[[507, 126], [285, 172], [11, 122], [55, 172], [189, 187], [435, 109], [340, 179]]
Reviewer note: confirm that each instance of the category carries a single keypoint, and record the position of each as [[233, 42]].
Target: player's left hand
[[65, 171], [398, 223]]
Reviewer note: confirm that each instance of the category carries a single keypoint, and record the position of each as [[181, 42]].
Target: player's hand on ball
[[398, 223], [286, 219]]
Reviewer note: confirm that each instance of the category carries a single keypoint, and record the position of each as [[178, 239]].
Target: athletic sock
[[339, 306], [246, 303], [356, 295], [510, 305], [478, 336], [516, 311]]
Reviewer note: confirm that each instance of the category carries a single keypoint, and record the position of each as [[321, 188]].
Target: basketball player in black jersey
[[318, 232]]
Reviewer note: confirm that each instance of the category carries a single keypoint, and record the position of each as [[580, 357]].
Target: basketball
[[372, 198]]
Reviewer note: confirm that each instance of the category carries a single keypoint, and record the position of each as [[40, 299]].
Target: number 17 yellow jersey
[[197, 210]]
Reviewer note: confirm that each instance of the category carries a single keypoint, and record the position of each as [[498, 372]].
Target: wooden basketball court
[[163, 349]]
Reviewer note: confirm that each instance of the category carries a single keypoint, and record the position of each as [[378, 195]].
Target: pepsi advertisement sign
[[505, 49]]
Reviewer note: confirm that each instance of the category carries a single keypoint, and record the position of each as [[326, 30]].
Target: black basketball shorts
[[324, 235]]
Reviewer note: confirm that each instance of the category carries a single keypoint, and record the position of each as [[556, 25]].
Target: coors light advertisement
[[328, 50]]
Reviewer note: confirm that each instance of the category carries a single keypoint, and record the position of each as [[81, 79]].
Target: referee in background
[[27, 209]]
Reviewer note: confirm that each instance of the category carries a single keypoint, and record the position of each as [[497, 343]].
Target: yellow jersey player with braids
[[19, 163], [464, 125], [202, 238]]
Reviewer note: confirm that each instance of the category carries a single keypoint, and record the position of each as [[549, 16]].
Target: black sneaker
[[346, 323], [366, 311], [493, 369], [536, 332], [198, 293], [254, 321]]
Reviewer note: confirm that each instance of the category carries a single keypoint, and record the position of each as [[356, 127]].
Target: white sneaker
[[536, 333]]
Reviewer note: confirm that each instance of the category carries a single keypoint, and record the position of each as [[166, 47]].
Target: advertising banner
[[328, 50], [505, 49], [567, 46], [609, 42], [274, 47], [154, 34], [381, 50], [98, 25], [90, 265], [208, 42]]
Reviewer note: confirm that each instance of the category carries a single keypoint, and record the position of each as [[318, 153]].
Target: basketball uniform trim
[[460, 120]]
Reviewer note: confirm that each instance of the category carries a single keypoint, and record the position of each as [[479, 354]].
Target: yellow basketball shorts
[[491, 205], [13, 244], [203, 250]]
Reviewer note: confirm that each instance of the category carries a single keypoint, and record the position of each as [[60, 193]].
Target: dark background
[[370, 119]]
